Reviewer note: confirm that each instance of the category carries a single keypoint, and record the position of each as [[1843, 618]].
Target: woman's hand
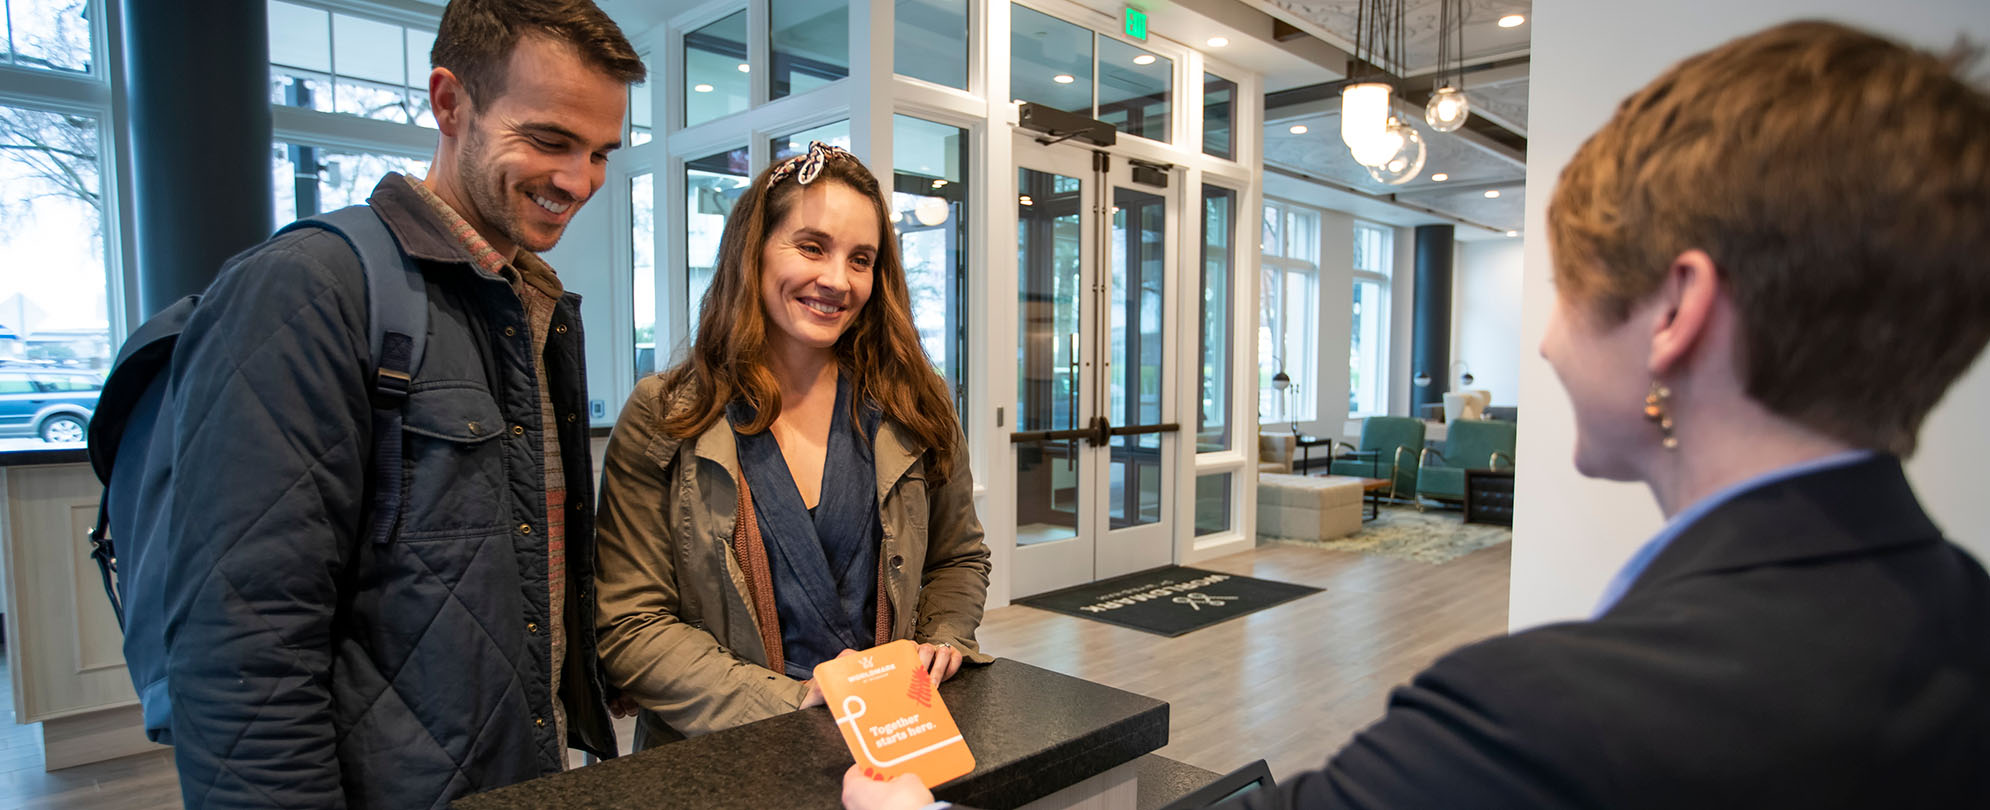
[[814, 696], [861, 792], [939, 660], [623, 706]]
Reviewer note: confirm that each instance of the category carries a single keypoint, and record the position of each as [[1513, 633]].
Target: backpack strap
[[105, 553], [397, 317]]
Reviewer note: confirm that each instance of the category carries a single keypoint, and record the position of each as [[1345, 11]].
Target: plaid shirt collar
[[528, 268]]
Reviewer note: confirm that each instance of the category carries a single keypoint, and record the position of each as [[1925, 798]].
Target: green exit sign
[[1136, 23]]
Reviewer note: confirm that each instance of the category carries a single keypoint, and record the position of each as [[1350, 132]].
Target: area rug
[[1436, 536], [1170, 600]]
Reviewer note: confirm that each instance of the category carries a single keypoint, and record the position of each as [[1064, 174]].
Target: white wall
[[1485, 315], [1571, 534]]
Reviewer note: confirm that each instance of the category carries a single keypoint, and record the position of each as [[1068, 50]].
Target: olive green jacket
[[681, 632]]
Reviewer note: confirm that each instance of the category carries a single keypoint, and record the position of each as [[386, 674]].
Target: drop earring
[[1656, 410]]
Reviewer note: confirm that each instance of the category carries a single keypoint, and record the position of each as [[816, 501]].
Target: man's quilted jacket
[[308, 666]]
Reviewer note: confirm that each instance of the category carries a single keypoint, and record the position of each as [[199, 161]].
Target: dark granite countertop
[[1032, 731], [63, 454], [1163, 780]]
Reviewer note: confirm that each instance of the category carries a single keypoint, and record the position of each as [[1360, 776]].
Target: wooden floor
[[1290, 684]]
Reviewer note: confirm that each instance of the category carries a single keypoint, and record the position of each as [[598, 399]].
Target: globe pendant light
[[1406, 156], [1447, 110], [1448, 107], [931, 211]]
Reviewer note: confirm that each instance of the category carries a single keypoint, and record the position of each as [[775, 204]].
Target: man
[[314, 665], [1745, 257]]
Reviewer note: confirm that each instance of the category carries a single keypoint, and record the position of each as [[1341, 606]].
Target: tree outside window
[[1368, 346], [1288, 309]]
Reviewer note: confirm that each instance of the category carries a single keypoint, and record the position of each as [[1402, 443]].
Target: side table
[[1489, 496]]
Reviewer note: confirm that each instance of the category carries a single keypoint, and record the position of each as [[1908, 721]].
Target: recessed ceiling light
[[1144, 59], [1511, 21], [1025, 199], [745, 68], [701, 88], [1063, 78], [1297, 129], [1492, 194], [1439, 177], [939, 183], [1512, 233], [1218, 42]]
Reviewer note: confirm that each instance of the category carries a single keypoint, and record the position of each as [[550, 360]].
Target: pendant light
[[1405, 159], [1449, 107], [1364, 121], [1391, 149]]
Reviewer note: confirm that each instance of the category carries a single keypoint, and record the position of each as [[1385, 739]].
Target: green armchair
[[1469, 444], [1389, 446]]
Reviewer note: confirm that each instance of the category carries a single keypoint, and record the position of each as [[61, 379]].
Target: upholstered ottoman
[[1307, 506]]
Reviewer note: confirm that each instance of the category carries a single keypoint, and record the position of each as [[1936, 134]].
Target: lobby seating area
[[1308, 507], [1469, 444]]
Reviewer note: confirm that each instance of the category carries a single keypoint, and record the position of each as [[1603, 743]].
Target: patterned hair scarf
[[808, 165]]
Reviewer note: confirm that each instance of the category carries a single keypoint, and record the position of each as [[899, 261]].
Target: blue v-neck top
[[823, 562]]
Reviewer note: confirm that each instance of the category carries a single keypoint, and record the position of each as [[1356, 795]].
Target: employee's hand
[[861, 792], [939, 660], [814, 696]]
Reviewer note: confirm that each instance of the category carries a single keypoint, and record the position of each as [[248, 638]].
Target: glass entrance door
[[1095, 429]]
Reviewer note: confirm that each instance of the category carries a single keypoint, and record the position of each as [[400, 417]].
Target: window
[[332, 62], [716, 71], [1136, 90], [54, 279], [712, 184], [642, 249], [930, 198], [1219, 100], [57, 234], [1219, 217], [931, 41], [1052, 63], [833, 134], [1212, 503], [1368, 350], [811, 44], [47, 35], [640, 128], [1288, 304], [311, 180]]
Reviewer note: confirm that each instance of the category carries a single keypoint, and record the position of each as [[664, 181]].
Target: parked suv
[[51, 403]]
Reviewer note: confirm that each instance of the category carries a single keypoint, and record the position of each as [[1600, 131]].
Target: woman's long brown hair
[[880, 352]]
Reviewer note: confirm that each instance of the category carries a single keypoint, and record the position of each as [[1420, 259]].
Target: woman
[[798, 486], [1763, 285]]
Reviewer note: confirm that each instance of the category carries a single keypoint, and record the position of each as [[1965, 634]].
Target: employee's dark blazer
[[1813, 643]]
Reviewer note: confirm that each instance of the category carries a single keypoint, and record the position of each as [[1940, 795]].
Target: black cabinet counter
[[1033, 732]]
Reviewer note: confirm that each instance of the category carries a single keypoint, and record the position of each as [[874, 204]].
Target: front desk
[[1039, 739]]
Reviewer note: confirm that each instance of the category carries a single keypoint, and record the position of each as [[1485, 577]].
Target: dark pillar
[[199, 125], [1430, 329]]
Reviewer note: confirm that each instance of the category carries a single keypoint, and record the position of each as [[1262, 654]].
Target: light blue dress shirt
[[1687, 517]]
